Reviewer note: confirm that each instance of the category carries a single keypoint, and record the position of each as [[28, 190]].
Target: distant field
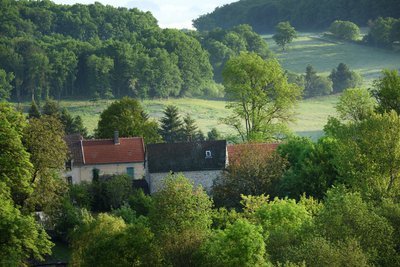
[[325, 55], [311, 115]]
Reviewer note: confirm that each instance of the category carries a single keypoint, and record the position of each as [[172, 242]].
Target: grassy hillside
[[311, 114], [325, 55]]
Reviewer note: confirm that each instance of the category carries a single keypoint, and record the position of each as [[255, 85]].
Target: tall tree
[[189, 129], [284, 35], [260, 96], [171, 125], [128, 117]]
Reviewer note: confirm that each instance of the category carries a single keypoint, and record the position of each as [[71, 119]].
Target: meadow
[[324, 55], [311, 114]]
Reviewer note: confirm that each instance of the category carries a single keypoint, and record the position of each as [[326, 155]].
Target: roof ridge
[[110, 139]]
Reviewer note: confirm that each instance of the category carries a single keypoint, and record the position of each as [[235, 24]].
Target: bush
[[346, 30]]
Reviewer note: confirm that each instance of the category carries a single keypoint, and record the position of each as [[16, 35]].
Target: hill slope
[[263, 15]]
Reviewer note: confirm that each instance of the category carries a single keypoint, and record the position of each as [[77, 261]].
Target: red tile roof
[[103, 151], [234, 151]]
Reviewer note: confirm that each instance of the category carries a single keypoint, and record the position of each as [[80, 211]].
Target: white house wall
[[85, 172], [203, 178]]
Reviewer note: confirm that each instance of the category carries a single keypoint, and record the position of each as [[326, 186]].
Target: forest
[[97, 51], [305, 15]]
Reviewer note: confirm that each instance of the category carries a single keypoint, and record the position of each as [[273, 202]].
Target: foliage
[[180, 219], [34, 111], [311, 170], [315, 85], [355, 104], [386, 91], [15, 167], [108, 240], [346, 30], [260, 96], [346, 216], [382, 31], [318, 251], [284, 35], [239, 244], [20, 236], [5, 84], [128, 117], [304, 14], [342, 78], [284, 224], [255, 170], [367, 154], [140, 202], [171, 125], [214, 134]]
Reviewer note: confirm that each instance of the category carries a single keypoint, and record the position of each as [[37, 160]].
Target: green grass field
[[324, 55], [311, 114]]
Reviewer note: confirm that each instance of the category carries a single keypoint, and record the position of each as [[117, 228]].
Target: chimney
[[116, 138]]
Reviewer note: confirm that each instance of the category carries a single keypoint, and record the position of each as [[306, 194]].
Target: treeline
[[92, 51], [263, 15]]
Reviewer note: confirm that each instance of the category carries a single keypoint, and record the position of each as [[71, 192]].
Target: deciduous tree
[[284, 35], [259, 94]]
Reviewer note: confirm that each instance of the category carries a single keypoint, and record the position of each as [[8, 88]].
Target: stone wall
[[203, 178]]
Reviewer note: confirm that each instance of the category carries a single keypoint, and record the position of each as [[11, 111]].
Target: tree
[[284, 35], [108, 240], [171, 125], [5, 84], [34, 111], [367, 155], [213, 135], [346, 216], [260, 96], [386, 91], [180, 219], [342, 78], [253, 170], [283, 222], [346, 30], [44, 139], [315, 85], [189, 129], [310, 167], [355, 104], [128, 117], [21, 238], [240, 244]]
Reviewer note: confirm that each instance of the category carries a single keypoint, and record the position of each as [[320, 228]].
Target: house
[[200, 162], [94, 157]]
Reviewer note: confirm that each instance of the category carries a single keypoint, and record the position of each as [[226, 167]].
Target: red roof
[[103, 151], [234, 151]]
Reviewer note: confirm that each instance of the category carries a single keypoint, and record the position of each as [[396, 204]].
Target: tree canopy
[[260, 96], [284, 35]]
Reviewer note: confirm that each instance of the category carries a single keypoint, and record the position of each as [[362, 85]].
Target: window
[[69, 180], [208, 154], [130, 171], [68, 165]]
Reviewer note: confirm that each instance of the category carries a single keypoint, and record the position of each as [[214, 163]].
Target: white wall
[[85, 172]]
